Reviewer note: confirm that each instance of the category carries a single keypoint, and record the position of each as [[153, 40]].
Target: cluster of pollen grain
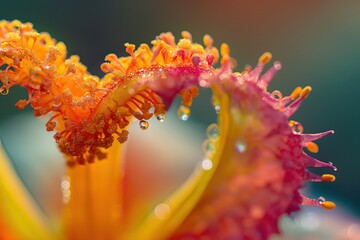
[[88, 114]]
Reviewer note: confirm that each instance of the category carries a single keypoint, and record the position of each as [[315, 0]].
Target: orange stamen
[[305, 92], [328, 178], [265, 58], [296, 93], [328, 205], [312, 147]]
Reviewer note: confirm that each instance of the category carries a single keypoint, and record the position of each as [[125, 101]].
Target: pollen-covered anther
[[123, 136], [328, 205], [265, 58], [187, 35], [296, 93], [21, 104], [187, 95], [328, 178], [312, 147], [225, 53], [305, 92], [160, 109], [208, 40], [50, 126]]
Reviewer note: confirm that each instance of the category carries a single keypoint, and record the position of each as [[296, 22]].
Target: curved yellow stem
[[167, 216]]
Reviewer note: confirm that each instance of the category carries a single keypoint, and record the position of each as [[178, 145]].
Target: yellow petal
[[17, 206]]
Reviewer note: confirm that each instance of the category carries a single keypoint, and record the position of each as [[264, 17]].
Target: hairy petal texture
[[249, 190]]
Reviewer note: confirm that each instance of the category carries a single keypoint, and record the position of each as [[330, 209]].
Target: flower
[[253, 166]]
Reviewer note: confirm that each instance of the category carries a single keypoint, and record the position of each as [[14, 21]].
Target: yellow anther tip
[[187, 35], [224, 49], [328, 178], [296, 92], [265, 58], [208, 41], [328, 205], [305, 92], [312, 147]]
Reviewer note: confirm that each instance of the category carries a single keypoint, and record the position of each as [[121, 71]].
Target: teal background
[[318, 43]]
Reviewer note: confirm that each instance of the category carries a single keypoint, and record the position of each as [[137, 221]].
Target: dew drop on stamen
[[217, 109], [297, 128], [213, 131], [334, 168], [321, 200], [208, 148], [183, 112], [143, 124], [4, 91], [161, 117], [277, 94], [216, 104], [240, 146]]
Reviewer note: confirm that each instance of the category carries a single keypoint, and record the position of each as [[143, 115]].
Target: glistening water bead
[[213, 132], [208, 147], [183, 112], [143, 124], [161, 117], [4, 91]]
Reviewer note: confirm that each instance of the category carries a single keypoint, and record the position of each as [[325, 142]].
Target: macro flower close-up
[[119, 157]]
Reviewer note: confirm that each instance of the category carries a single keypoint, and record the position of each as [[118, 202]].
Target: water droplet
[[333, 167], [183, 112], [213, 131], [321, 200], [208, 148], [143, 124], [4, 91], [297, 128], [161, 117], [162, 211], [240, 146], [277, 94], [206, 164], [216, 104], [65, 189]]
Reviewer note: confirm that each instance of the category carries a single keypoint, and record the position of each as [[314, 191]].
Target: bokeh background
[[318, 43]]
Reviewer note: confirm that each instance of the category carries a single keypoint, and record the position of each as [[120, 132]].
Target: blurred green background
[[318, 43]]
